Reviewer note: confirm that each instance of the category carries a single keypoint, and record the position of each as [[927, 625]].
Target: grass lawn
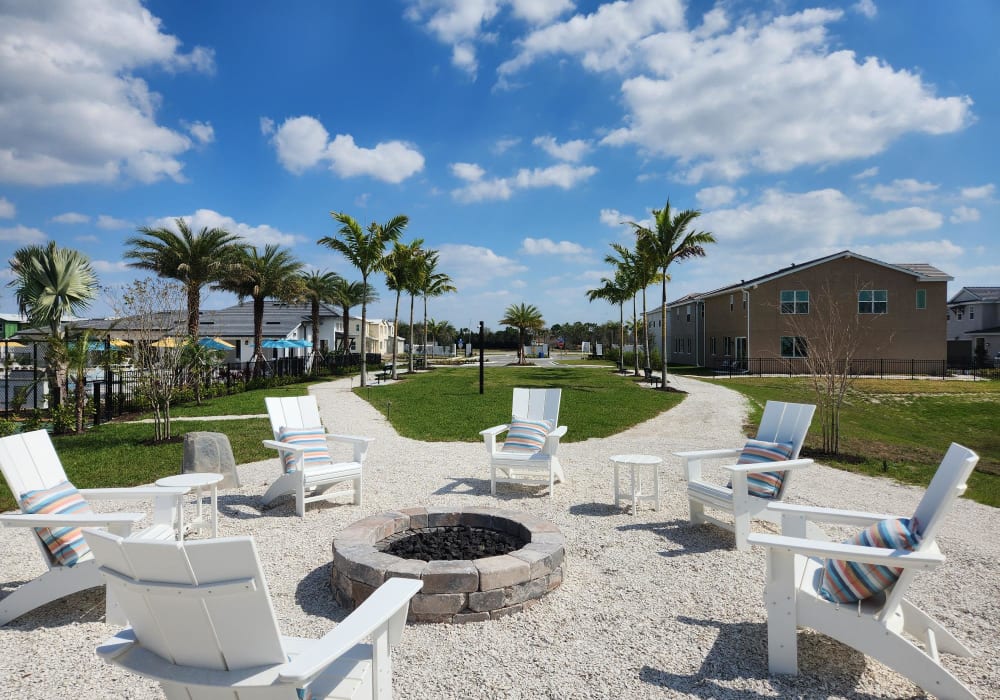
[[446, 405], [902, 428]]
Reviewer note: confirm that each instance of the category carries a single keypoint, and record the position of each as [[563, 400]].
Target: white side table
[[635, 463], [197, 481]]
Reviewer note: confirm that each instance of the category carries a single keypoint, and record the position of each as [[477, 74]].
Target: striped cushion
[[765, 484], [65, 543], [850, 581], [312, 440], [526, 436]]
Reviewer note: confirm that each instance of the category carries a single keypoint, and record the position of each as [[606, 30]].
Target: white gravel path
[[651, 607]]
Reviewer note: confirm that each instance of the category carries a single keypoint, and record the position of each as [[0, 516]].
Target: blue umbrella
[[277, 343], [214, 343]]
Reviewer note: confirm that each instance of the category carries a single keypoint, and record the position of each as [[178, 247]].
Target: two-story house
[[896, 309], [974, 325]]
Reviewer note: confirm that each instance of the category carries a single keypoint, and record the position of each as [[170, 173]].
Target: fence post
[[97, 403]]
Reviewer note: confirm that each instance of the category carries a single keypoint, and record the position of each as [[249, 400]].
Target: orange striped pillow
[[66, 544]]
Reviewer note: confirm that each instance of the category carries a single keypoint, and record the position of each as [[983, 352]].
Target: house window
[[972, 314], [730, 302], [712, 347], [921, 298], [793, 346], [688, 312], [688, 346], [727, 345], [873, 301], [795, 301]]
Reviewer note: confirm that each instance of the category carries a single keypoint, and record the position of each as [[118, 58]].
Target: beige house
[[895, 311]]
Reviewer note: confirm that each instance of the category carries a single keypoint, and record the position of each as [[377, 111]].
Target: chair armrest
[[388, 599], [136, 492], [352, 439], [495, 430], [558, 432], [896, 558], [282, 446], [830, 515], [783, 465], [709, 454], [107, 520]]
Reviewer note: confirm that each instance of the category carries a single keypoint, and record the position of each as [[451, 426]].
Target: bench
[[385, 374], [651, 378]]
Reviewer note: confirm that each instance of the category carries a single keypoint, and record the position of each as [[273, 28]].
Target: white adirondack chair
[[875, 626], [781, 422], [203, 626], [29, 462], [311, 482], [526, 468]]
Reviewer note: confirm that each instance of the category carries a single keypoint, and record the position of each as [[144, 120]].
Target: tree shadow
[[826, 667], [692, 539], [315, 596], [595, 509], [80, 607], [465, 486]]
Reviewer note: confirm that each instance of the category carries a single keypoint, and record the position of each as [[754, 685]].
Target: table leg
[[635, 493], [656, 486], [617, 489], [215, 510]]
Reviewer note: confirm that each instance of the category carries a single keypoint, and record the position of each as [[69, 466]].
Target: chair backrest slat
[[946, 486], [292, 412], [29, 461], [537, 404], [786, 422], [228, 632]]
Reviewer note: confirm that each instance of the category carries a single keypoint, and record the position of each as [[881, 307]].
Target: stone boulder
[[210, 452]]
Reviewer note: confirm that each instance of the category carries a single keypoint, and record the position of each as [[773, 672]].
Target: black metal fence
[[880, 368]]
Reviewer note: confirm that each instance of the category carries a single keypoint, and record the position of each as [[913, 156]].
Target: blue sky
[[517, 135]]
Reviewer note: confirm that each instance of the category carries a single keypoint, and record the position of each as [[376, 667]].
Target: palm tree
[[433, 284], [401, 267], [524, 317], [627, 268], [349, 294], [49, 284], [614, 292], [319, 288], [667, 243], [366, 251], [259, 276], [193, 259]]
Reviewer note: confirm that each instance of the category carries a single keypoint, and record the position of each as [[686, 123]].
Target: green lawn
[[902, 428], [446, 405]]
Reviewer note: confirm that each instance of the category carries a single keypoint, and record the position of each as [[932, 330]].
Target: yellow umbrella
[[165, 343], [115, 342], [220, 341], [14, 344]]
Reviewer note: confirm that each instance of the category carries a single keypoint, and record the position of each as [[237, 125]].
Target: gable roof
[[280, 319], [922, 271], [972, 294]]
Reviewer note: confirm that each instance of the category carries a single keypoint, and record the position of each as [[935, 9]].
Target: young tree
[[614, 291], [826, 340], [628, 270], [197, 361], [319, 288], [154, 309], [433, 284], [347, 295], [669, 242], [366, 251], [523, 317], [51, 283], [402, 266], [193, 259]]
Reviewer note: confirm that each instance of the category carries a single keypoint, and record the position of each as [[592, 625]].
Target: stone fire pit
[[482, 585]]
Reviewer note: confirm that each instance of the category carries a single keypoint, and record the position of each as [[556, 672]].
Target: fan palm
[[669, 242], [614, 292], [193, 259], [523, 317], [51, 283], [259, 276], [433, 284], [402, 266], [366, 251], [319, 288], [346, 295]]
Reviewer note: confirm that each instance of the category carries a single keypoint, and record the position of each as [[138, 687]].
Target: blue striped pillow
[[312, 440], [526, 436], [66, 544], [765, 484], [851, 581]]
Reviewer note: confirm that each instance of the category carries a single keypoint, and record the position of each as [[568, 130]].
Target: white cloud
[[982, 192], [715, 196], [202, 132], [603, 40], [258, 236], [562, 175], [302, 142], [540, 11], [108, 267], [905, 190], [109, 222], [476, 266], [546, 246], [463, 57], [612, 217], [74, 108], [266, 126], [571, 151], [712, 102], [71, 217], [504, 145], [866, 8], [866, 173], [22, 235], [933, 252], [7, 208], [962, 215]]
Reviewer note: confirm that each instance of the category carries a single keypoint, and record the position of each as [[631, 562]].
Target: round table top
[[191, 479], [636, 459]]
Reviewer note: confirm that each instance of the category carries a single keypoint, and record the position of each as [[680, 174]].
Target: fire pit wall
[[454, 591]]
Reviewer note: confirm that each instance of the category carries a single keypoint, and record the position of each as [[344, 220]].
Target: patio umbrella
[[301, 343], [277, 343], [165, 343], [118, 343], [14, 344], [215, 343]]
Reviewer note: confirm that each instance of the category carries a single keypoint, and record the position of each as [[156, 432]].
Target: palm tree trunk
[[364, 332], [645, 328], [635, 337], [258, 336], [315, 338], [425, 331], [410, 356], [663, 326], [193, 304], [395, 325], [345, 341], [621, 344]]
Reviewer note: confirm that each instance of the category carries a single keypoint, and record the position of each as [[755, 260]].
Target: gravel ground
[[651, 607]]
